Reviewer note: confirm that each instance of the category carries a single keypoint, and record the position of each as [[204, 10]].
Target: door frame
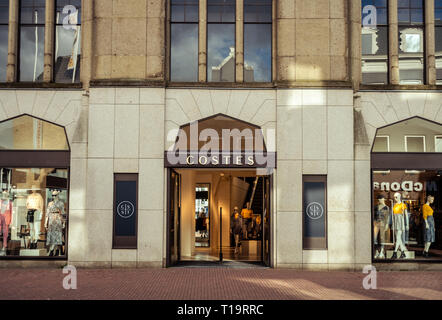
[[169, 195], [270, 259]]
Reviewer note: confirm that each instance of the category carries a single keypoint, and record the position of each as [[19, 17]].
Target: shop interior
[[227, 209], [33, 212]]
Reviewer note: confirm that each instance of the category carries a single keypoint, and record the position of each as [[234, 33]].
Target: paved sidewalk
[[216, 284]]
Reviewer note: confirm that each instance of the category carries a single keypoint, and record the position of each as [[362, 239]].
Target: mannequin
[[381, 216], [399, 212], [5, 219], [236, 225], [54, 224], [429, 232], [247, 215], [34, 204]]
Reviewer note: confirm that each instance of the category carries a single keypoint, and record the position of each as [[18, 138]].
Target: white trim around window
[[415, 136], [438, 137]]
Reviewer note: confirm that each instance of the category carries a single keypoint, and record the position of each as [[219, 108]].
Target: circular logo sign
[[125, 209], [315, 211]]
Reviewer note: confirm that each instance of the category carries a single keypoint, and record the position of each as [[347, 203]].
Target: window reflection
[[4, 20], [32, 19], [67, 41], [375, 44], [257, 40], [221, 40], [184, 40], [28, 133], [411, 41]]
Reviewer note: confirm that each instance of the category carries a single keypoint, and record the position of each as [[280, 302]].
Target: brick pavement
[[216, 284]]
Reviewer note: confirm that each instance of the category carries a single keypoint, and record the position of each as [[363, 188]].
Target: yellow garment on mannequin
[[427, 211], [399, 208], [247, 214]]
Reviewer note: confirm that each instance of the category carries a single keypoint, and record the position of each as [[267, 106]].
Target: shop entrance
[[218, 216]]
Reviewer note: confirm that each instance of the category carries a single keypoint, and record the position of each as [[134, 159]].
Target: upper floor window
[[32, 29], [188, 57], [438, 38], [221, 60], [374, 42], [257, 40], [4, 21], [411, 41], [184, 40], [67, 41]]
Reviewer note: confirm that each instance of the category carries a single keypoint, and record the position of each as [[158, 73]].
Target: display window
[[33, 213], [34, 180], [407, 214], [407, 192]]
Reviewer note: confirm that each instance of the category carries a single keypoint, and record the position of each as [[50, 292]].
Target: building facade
[[345, 97]]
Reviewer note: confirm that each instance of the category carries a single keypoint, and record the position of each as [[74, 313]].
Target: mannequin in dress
[[54, 224], [429, 232], [399, 212], [5, 219], [381, 215], [34, 205]]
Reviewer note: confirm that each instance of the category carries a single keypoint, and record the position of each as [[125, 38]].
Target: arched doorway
[[220, 166], [34, 182], [406, 164]]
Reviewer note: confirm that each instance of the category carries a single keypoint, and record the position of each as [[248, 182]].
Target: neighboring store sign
[[315, 212], [125, 209], [408, 186]]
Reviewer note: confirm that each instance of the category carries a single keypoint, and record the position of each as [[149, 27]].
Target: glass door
[[174, 214], [266, 220]]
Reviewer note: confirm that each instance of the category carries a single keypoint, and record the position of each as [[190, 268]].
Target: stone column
[[430, 49], [285, 40], [239, 41], [11, 70], [393, 41], [355, 43], [86, 42], [49, 41], [202, 47]]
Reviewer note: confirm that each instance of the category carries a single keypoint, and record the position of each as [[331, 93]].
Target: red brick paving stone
[[216, 284]]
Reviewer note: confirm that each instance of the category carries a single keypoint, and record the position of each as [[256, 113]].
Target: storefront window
[[28, 133], [407, 214], [33, 217], [34, 180], [413, 135], [407, 191]]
